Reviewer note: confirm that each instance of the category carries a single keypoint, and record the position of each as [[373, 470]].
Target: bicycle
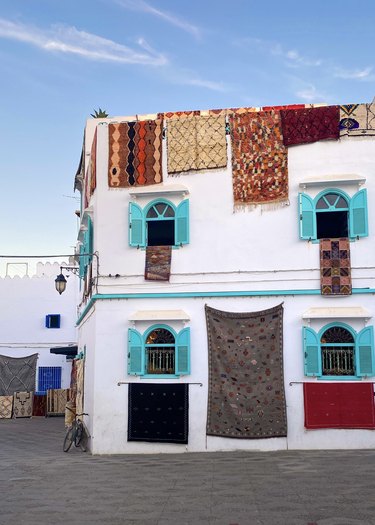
[[76, 434]]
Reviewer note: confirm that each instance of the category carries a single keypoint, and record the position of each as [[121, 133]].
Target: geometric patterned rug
[[6, 405], [335, 270], [23, 404], [357, 120], [17, 374]]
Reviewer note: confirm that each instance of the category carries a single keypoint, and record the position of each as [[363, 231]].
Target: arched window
[[338, 350], [333, 214], [159, 351], [160, 223]]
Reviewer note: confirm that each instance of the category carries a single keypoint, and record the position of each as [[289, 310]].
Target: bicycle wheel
[[69, 438], [84, 440], [79, 433]]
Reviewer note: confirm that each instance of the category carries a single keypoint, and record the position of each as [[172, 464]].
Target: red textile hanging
[[339, 405]]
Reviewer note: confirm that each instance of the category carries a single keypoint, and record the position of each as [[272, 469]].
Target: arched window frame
[[357, 214], [138, 222], [137, 343], [363, 351]]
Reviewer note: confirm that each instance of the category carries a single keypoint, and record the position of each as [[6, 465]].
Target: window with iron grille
[[338, 351], [159, 352], [49, 377]]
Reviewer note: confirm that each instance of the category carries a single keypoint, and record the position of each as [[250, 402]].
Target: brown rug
[[135, 153], [80, 366], [23, 404], [303, 126], [259, 159], [335, 270], [246, 385], [196, 143], [158, 263], [6, 407], [39, 405]]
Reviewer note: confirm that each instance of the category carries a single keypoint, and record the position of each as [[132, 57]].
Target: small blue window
[[160, 223], [333, 214], [53, 321], [338, 351], [159, 352]]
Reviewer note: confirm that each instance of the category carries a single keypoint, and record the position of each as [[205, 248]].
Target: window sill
[[159, 189], [329, 180]]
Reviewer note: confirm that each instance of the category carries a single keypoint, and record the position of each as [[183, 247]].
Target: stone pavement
[[41, 485]]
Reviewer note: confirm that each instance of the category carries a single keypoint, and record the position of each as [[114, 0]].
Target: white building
[[34, 319], [233, 261]]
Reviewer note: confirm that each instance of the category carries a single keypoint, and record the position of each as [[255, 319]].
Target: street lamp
[[60, 283]]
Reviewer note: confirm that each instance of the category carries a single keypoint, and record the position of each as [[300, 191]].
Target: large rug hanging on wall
[[259, 159], [80, 367], [6, 406], [357, 119], [158, 263], [303, 126], [23, 404], [135, 153], [339, 405], [335, 270], [158, 412], [196, 143], [17, 374], [246, 396]]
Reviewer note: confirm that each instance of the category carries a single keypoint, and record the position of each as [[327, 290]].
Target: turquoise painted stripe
[[181, 295]]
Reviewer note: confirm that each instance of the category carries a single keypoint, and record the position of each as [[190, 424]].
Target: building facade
[[264, 223]]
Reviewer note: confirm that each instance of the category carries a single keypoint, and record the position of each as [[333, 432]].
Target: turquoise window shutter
[[365, 352], [182, 366], [307, 219], [358, 221], [135, 353], [182, 223], [82, 266], [311, 352], [90, 240], [136, 225]]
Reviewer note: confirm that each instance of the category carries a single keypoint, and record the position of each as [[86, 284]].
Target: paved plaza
[[41, 485]]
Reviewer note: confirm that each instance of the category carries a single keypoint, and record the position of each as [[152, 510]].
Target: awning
[[69, 351]]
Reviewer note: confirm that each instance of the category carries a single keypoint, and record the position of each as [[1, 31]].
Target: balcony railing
[[338, 361], [160, 360]]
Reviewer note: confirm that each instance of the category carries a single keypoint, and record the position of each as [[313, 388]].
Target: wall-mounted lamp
[[60, 281]]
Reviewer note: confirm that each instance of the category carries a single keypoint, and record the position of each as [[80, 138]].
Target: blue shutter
[[182, 223], [183, 352], [307, 219], [358, 221], [90, 243], [311, 351], [136, 225], [81, 262], [364, 355], [135, 353]]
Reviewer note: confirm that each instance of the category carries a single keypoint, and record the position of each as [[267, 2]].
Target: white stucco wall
[[257, 250], [24, 304]]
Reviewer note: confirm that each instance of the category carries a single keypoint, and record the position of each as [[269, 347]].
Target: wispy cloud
[[68, 39], [309, 93], [144, 7], [292, 57], [354, 74], [208, 84]]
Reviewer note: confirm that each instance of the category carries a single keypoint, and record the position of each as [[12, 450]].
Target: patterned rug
[[23, 404], [357, 120], [158, 413], [303, 126], [6, 407], [80, 365], [39, 405], [17, 374], [339, 405], [246, 386], [335, 270], [158, 263], [135, 153], [196, 143], [259, 159], [56, 401]]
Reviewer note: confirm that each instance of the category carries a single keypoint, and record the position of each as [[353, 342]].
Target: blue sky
[[60, 60]]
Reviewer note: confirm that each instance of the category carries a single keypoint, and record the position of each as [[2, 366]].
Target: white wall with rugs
[[243, 261], [34, 317]]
